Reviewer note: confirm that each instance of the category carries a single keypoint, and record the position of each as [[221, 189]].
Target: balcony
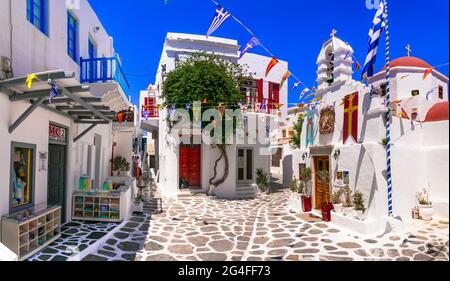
[[149, 111], [266, 106], [104, 70]]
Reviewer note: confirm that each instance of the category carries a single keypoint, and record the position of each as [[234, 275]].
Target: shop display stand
[[96, 207], [26, 238]]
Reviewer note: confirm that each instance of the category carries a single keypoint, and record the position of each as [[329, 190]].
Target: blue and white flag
[[220, 17], [372, 93], [302, 94], [53, 92], [379, 25], [296, 84], [254, 42]]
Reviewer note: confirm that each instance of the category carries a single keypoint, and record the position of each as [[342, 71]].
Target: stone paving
[[204, 228], [75, 236]]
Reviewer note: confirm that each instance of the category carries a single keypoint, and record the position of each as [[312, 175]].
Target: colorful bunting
[[427, 72], [30, 78], [205, 101], [53, 92], [285, 77], [351, 117], [120, 117], [271, 65], [296, 84], [254, 42], [357, 66], [306, 90], [220, 17]]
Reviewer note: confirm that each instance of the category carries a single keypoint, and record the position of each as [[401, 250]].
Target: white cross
[[408, 50], [220, 13], [333, 32]]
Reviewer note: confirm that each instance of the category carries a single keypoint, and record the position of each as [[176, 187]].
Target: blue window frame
[[37, 14], [92, 66], [72, 34]]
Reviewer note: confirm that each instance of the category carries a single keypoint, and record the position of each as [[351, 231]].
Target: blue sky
[[292, 30]]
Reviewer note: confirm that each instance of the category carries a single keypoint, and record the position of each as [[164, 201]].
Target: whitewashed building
[[195, 163], [72, 135], [420, 128]]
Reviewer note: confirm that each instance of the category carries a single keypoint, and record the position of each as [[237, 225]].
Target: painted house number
[[56, 133]]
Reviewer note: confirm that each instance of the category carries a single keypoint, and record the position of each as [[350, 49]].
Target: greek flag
[[254, 42], [220, 17], [379, 25], [53, 92]]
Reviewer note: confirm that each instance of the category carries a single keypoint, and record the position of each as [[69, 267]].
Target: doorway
[[56, 182], [190, 165], [321, 189]]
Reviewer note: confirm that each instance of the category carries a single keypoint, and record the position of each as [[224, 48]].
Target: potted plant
[[358, 201], [262, 180], [116, 165], [294, 201], [305, 177], [348, 200], [425, 206], [125, 168], [336, 199], [327, 206]]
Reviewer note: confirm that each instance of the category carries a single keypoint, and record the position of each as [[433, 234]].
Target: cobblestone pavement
[[202, 228], [75, 236]]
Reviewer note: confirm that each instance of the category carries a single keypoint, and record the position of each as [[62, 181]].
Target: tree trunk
[[214, 184]]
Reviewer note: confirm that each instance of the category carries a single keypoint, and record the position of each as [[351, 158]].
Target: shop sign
[[57, 133]]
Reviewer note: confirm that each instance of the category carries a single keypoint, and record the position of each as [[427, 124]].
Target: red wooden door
[[190, 164]]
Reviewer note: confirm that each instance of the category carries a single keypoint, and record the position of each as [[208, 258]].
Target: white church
[[345, 134]]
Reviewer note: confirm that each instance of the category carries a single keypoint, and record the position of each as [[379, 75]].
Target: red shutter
[[260, 91], [274, 95]]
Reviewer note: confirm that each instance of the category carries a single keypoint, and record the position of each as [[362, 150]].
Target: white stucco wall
[[34, 130], [33, 51]]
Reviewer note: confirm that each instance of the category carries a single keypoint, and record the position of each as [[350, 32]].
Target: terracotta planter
[[426, 212], [306, 203]]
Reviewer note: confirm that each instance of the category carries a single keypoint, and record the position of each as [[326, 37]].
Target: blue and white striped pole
[[388, 114]]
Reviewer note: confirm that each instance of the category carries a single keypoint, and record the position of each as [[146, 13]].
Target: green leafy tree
[[204, 77], [298, 127]]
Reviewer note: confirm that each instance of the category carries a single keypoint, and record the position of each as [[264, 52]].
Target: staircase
[[246, 192], [151, 200]]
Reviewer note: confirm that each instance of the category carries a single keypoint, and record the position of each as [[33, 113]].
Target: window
[[283, 133], [72, 41], [37, 14], [441, 92], [245, 165], [383, 90], [22, 176], [92, 66], [415, 93]]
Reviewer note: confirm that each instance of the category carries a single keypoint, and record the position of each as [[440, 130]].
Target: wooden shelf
[[26, 238], [96, 207]]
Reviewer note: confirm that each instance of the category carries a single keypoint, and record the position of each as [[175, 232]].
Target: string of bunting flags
[[221, 15]]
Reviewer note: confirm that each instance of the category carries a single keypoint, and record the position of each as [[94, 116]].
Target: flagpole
[[388, 114]]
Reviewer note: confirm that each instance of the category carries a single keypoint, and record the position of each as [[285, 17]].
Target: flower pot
[[426, 212], [116, 173], [294, 203], [338, 208], [306, 203], [348, 211], [359, 214], [326, 211]]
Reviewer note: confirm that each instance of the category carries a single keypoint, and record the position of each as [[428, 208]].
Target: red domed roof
[[409, 62], [438, 112]]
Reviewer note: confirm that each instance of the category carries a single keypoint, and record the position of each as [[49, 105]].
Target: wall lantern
[[336, 154], [304, 156]]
